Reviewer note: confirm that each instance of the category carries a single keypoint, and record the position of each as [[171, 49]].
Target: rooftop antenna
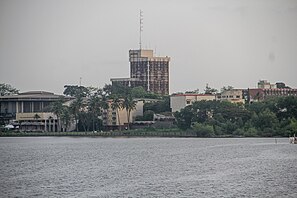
[[140, 27], [80, 81]]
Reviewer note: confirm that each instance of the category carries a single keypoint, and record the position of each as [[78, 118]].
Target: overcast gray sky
[[45, 44]]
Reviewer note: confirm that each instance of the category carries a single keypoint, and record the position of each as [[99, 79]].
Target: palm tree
[[57, 109], [129, 104], [36, 117], [65, 117], [117, 105], [75, 109], [95, 102]]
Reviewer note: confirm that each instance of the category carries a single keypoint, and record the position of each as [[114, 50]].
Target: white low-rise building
[[180, 101]]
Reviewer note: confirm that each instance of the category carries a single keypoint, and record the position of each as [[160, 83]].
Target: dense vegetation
[[6, 89], [89, 101], [272, 117]]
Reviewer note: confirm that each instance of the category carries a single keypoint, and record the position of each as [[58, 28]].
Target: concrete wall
[[119, 117], [177, 102], [234, 96]]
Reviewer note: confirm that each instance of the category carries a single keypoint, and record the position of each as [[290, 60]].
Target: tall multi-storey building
[[152, 71], [148, 71]]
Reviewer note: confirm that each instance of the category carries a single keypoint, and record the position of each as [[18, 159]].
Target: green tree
[[117, 105], [286, 107], [75, 108], [185, 117], [209, 90], [267, 122], [85, 121], [203, 130], [65, 118], [119, 90], [147, 116], [129, 104], [293, 126], [36, 118], [227, 88], [6, 89], [95, 103], [160, 106], [76, 91], [57, 109], [138, 92]]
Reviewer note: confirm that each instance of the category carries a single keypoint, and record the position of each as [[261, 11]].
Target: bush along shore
[[149, 132], [275, 117]]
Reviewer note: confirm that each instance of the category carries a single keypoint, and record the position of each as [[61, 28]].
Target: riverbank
[[125, 133]]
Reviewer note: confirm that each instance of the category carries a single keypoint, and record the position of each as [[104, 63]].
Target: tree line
[[89, 103], [272, 117]]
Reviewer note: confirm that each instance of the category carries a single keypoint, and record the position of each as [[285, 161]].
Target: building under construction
[[147, 71]]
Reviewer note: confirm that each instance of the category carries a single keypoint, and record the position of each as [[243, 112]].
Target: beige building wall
[[31, 116], [117, 117], [234, 96], [45, 121], [177, 102]]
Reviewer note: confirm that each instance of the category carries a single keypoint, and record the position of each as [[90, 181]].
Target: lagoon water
[[147, 167]]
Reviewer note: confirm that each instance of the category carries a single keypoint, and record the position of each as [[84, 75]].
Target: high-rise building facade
[[149, 71], [152, 71]]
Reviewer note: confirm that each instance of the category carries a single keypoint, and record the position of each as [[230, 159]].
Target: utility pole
[[140, 27]]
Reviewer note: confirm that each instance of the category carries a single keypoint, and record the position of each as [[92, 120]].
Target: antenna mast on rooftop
[[140, 27]]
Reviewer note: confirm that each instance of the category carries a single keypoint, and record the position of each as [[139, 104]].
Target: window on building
[[27, 107], [188, 101], [37, 106]]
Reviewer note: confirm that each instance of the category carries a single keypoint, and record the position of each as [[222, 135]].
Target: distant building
[[159, 121], [127, 82], [30, 111], [281, 85], [148, 71], [253, 95], [264, 84], [267, 90], [179, 101], [232, 95], [117, 118]]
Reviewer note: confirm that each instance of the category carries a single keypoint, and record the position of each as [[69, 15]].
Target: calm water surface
[[147, 167]]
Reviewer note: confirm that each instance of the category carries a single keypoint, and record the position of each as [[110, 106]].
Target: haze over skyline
[[45, 45]]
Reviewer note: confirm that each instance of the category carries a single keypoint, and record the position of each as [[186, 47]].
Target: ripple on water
[[147, 167]]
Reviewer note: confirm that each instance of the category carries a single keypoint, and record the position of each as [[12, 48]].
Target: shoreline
[[123, 134]]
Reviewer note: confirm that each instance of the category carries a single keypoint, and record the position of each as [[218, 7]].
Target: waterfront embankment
[[125, 133]]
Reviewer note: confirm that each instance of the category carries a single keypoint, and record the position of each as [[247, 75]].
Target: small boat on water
[[293, 140]]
